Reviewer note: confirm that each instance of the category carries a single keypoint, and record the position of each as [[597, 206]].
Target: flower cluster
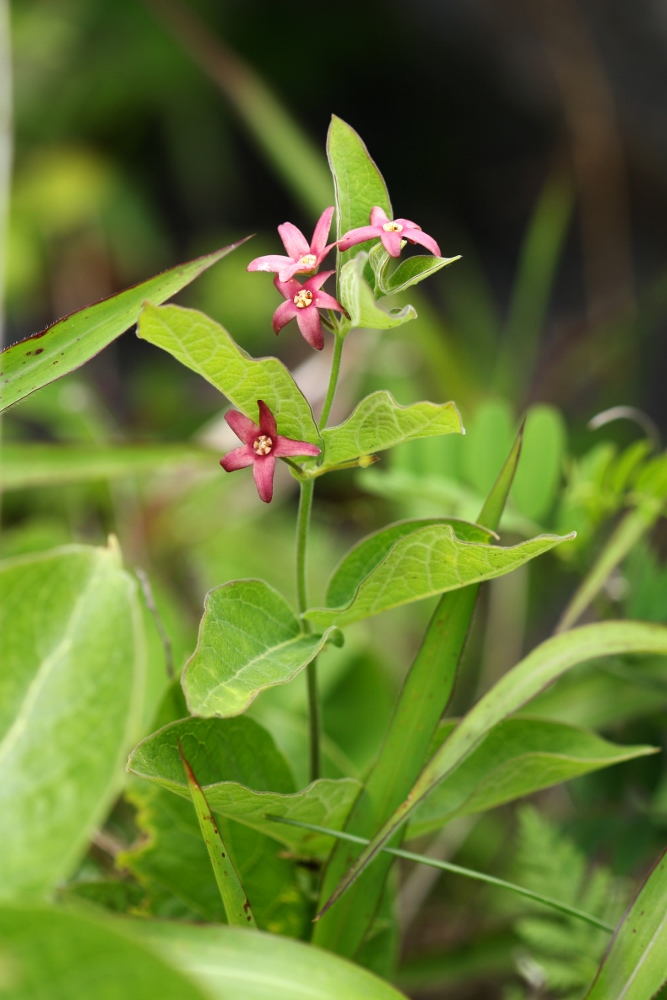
[[302, 301], [262, 444]]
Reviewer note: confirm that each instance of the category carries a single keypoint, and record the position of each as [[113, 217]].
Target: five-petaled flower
[[262, 445], [302, 257], [303, 301], [391, 232]]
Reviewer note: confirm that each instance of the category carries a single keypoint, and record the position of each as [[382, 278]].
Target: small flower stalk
[[391, 232], [262, 445]]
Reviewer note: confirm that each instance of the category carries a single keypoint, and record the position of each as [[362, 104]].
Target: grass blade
[[69, 343], [446, 866], [537, 670], [423, 699], [235, 901]]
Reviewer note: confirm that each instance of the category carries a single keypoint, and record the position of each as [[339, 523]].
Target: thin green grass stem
[[446, 866]]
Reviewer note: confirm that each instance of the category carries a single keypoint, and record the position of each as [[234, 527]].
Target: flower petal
[[288, 272], [240, 458], [322, 231], [287, 288], [294, 241], [325, 301], [359, 236], [242, 426], [407, 224], [267, 421], [392, 242], [379, 216], [271, 262], [287, 446], [263, 470], [417, 236], [317, 280], [285, 312], [310, 326]]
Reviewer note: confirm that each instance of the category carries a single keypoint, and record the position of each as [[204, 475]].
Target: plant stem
[[333, 379], [447, 866], [302, 526]]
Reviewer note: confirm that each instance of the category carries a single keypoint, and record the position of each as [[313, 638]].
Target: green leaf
[[429, 561], [65, 955], [409, 272], [27, 464], [540, 470], [358, 183], [231, 964], [71, 697], [516, 758], [233, 895], [244, 777], [634, 967], [378, 423], [171, 862], [362, 559], [358, 300], [421, 703], [543, 665], [489, 438], [69, 343], [204, 346], [249, 640]]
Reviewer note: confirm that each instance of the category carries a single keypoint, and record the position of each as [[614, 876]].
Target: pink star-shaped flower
[[391, 232], [261, 447], [303, 301], [302, 257]]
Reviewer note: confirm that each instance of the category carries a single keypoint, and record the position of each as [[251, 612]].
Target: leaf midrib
[[46, 668]]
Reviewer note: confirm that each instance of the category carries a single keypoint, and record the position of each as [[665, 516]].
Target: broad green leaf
[[517, 757], [422, 701], [249, 640], [27, 464], [361, 560], [72, 341], [635, 967], [234, 964], [409, 272], [65, 955], [358, 300], [541, 667], [204, 346], [540, 470], [358, 183], [171, 863], [72, 674], [244, 777], [379, 422], [429, 561], [233, 895]]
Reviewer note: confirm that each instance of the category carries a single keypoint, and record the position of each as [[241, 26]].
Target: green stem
[[333, 379], [447, 866], [302, 526]]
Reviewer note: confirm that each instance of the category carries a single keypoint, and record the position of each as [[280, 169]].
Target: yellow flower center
[[393, 227], [262, 445], [303, 298], [308, 261]]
